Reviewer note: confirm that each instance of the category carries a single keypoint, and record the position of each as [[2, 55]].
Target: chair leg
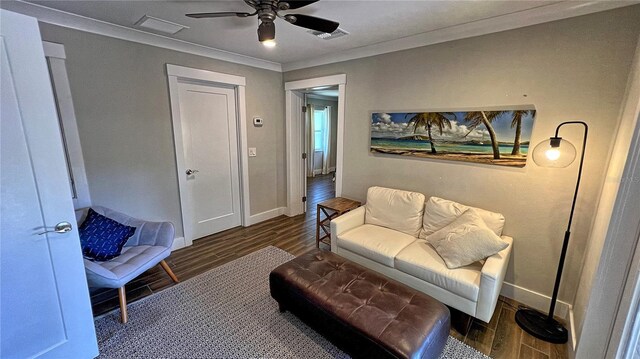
[[165, 266], [123, 305]]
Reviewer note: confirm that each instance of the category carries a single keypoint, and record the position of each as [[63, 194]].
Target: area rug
[[226, 312]]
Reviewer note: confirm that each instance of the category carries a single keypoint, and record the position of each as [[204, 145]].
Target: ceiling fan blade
[[295, 4], [202, 15], [312, 22]]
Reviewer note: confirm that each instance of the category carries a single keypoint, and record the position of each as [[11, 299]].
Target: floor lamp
[[554, 152]]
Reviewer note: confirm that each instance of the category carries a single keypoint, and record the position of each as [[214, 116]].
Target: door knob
[[189, 172], [62, 227]]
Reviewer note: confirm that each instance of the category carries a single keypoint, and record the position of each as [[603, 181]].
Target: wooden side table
[[331, 209]]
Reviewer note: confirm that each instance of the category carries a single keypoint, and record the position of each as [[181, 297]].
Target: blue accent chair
[[150, 245]]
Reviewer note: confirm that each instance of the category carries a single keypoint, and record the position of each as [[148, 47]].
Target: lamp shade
[[554, 152]]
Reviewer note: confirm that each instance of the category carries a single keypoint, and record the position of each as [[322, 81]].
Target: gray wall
[[121, 97], [570, 69]]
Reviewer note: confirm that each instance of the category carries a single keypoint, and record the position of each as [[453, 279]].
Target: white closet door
[[210, 142]]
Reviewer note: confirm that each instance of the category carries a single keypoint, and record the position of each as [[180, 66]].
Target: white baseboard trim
[[572, 334], [319, 171], [261, 217], [178, 243], [534, 300]]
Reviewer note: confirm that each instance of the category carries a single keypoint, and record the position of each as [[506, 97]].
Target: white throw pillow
[[395, 209], [440, 212], [466, 240]]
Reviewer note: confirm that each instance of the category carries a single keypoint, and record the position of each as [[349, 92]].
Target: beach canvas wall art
[[490, 137]]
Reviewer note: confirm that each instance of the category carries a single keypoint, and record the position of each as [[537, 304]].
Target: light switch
[[252, 152]]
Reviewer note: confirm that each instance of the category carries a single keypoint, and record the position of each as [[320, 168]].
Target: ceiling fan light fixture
[[269, 43], [267, 33], [267, 12]]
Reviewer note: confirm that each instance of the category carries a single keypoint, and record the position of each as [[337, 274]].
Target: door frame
[[295, 144], [56, 58], [175, 74]]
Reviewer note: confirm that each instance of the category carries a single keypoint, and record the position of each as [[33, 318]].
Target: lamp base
[[540, 326]]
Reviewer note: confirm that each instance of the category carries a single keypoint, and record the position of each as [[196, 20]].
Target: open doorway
[[314, 134], [320, 143]]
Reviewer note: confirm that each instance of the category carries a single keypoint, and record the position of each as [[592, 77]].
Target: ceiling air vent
[[326, 36], [153, 23]]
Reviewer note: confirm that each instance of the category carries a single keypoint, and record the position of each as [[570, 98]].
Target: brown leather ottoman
[[362, 312]]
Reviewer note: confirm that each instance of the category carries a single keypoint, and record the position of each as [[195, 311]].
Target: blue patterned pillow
[[102, 238]]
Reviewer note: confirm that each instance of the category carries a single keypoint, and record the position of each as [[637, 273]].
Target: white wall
[[121, 97], [603, 272], [570, 69]]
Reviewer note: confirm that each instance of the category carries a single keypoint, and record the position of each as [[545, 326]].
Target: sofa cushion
[[374, 242], [439, 212], [420, 260], [395, 209], [466, 240]]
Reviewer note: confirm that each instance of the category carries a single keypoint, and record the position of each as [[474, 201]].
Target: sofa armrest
[[347, 221], [492, 276]]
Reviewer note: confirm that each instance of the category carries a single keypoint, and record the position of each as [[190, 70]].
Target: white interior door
[[210, 144], [308, 152], [45, 309], [295, 147]]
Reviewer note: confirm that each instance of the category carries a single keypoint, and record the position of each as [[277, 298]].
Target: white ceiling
[[370, 23]]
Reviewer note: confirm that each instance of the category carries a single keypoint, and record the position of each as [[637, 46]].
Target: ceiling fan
[[269, 10]]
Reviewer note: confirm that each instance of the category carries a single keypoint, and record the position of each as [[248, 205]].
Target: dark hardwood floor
[[500, 338]]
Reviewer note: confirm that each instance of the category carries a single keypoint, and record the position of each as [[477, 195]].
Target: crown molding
[[539, 15], [78, 22]]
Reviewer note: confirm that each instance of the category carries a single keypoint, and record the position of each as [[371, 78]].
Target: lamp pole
[[532, 321], [567, 233]]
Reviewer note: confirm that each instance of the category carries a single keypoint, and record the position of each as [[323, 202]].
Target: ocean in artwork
[[490, 137]]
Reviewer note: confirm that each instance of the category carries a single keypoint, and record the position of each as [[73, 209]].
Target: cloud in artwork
[[459, 132], [382, 117], [390, 128], [382, 125]]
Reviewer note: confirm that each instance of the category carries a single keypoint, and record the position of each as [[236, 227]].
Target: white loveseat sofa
[[387, 235]]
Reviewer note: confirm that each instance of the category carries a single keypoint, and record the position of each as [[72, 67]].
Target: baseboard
[[319, 172], [534, 300], [266, 215], [178, 243], [572, 334]]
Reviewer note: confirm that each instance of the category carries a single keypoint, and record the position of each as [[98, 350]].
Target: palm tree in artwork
[[517, 123], [429, 119], [477, 118]]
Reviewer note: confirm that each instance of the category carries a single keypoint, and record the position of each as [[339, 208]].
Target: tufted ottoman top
[[396, 317]]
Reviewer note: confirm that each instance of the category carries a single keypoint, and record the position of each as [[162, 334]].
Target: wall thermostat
[[258, 121]]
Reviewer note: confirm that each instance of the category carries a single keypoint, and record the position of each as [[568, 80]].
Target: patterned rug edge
[[183, 282], [453, 350]]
